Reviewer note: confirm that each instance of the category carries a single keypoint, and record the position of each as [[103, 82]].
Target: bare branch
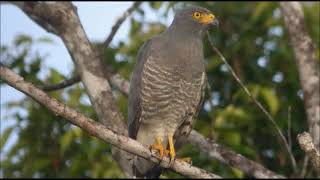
[[289, 128], [116, 26], [230, 157], [269, 117], [98, 130], [306, 144], [116, 81], [305, 58], [61, 85], [61, 18]]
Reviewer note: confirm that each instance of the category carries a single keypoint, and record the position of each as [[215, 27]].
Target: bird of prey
[[167, 86]]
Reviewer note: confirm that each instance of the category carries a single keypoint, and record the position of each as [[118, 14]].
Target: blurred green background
[[252, 38]]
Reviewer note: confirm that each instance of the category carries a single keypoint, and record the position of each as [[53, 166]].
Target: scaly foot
[[158, 146], [172, 151]]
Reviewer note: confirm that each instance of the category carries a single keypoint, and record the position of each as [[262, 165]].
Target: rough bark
[[309, 148], [305, 59], [98, 130], [230, 157], [61, 18]]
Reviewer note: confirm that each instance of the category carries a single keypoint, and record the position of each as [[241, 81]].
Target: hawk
[[167, 86]]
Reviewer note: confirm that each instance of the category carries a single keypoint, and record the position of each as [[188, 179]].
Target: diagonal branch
[[116, 81], [61, 85], [269, 117], [230, 157], [96, 129], [116, 26]]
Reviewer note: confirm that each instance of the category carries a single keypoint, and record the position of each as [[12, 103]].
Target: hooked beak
[[210, 20], [215, 22]]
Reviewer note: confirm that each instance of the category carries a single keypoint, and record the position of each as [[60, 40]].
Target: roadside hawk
[[167, 86]]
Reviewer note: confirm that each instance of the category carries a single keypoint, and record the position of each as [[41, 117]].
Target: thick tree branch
[[116, 26], [306, 144], [305, 58], [96, 129], [61, 18], [230, 157], [269, 117]]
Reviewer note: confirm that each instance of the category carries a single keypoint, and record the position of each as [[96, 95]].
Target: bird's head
[[195, 18]]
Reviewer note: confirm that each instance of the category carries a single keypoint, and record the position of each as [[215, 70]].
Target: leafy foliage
[[252, 38]]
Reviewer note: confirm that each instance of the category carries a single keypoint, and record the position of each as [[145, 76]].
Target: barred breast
[[167, 96]]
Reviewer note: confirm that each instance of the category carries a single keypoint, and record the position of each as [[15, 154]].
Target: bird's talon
[[159, 147]]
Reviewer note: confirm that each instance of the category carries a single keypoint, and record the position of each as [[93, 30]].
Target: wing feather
[[134, 102]]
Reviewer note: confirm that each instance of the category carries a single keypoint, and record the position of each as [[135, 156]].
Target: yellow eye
[[196, 15]]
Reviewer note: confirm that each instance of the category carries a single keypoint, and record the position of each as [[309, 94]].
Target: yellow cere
[[203, 18]]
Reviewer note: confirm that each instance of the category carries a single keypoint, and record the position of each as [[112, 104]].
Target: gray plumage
[[167, 85]]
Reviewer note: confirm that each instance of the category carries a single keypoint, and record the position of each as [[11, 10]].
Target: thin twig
[[305, 166], [61, 85], [97, 129], [116, 26], [289, 128], [270, 118]]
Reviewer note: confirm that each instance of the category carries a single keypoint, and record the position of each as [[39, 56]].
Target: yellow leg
[[158, 146], [172, 151]]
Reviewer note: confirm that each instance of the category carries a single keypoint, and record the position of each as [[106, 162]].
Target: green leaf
[[231, 138], [45, 40], [237, 173], [156, 5], [271, 99], [4, 136], [23, 39]]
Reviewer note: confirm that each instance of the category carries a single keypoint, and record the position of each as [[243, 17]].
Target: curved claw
[[158, 146]]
